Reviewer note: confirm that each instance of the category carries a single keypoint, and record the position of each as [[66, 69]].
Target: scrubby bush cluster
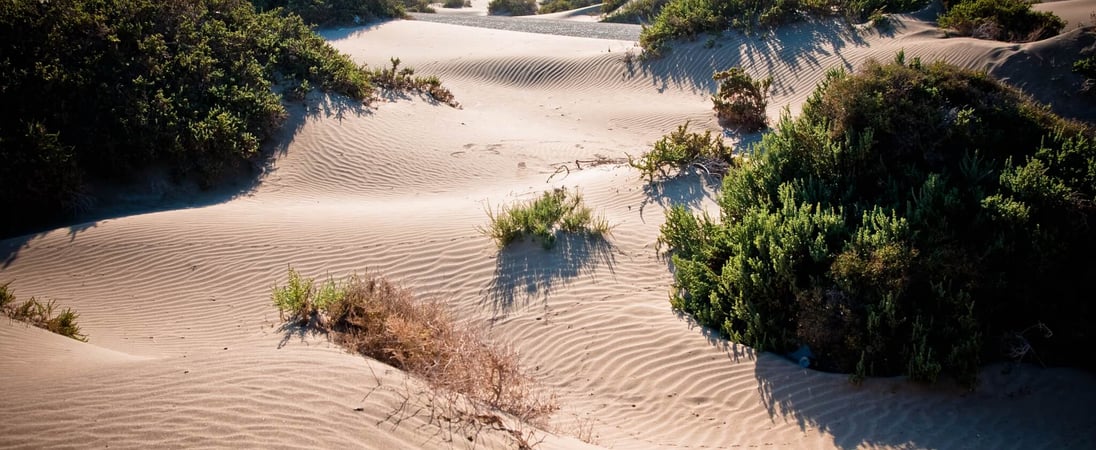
[[741, 100], [687, 18], [1001, 20], [681, 149], [102, 90], [558, 210], [634, 11], [457, 3], [337, 12], [404, 80], [512, 7], [915, 219], [39, 314], [376, 318], [551, 6]]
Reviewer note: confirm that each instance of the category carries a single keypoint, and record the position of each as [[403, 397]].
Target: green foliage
[[741, 100], [1086, 66], [681, 149], [512, 7], [395, 78], [1001, 20], [99, 90], [678, 19], [635, 11], [40, 314], [336, 12], [457, 4], [551, 6], [910, 217], [558, 209], [300, 299]]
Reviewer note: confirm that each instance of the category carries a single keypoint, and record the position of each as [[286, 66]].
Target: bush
[[556, 210], [373, 317], [395, 78], [335, 12], [1001, 20], [682, 149], [40, 314], [1086, 67], [512, 7], [687, 18], [741, 100], [912, 218], [457, 4], [551, 6]]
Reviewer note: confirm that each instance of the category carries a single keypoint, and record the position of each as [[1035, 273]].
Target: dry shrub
[[39, 314], [741, 100], [381, 320]]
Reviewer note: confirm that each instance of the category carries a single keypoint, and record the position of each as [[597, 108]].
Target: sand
[[185, 348]]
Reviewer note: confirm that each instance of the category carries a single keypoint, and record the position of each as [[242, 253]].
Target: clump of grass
[[379, 319], [39, 314], [1001, 20], [555, 210], [682, 149], [741, 100], [397, 79]]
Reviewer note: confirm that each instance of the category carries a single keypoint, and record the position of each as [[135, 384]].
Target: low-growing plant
[[681, 149], [1001, 20], [512, 7], [457, 4], [551, 6], [404, 79], [1086, 66], [376, 318], [39, 314], [741, 100], [554, 211]]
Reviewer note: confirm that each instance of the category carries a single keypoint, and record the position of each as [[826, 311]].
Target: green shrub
[[551, 6], [906, 221], [741, 100], [40, 314], [555, 210], [681, 149], [1086, 67], [376, 318], [678, 19], [395, 78], [512, 7], [457, 4], [335, 12], [1001, 20]]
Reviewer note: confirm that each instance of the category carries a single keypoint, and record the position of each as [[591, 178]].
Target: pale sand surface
[[185, 349]]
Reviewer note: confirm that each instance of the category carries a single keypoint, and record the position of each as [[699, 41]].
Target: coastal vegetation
[[341, 12], [105, 90], [376, 318], [915, 219], [741, 100], [1001, 20], [557, 210], [512, 7], [39, 314], [682, 149], [551, 6]]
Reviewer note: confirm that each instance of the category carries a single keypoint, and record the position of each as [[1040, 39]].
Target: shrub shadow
[[525, 272], [690, 188]]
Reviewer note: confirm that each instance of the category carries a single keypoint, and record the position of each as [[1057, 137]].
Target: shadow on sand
[[525, 272]]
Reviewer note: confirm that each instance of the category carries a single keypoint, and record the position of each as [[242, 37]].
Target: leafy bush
[[512, 7], [457, 3], [912, 218], [681, 149], [395, 78], [335, 12], [687, 18], [555, 210], [40, 314], [373, 317], [101, 90], [1086, 66], [1001, 20], [741, 100], [551, 6]]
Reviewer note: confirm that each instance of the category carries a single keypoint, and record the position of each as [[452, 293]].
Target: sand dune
[[185, 348]]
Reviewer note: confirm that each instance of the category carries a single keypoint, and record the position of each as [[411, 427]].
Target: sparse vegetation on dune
[[1001, 20], [39, 314], [551, 6], [512, 7], [373, 317], [404, 80], [103, 90], [741, 100], [682, 149], [915, 219], [558, 210]]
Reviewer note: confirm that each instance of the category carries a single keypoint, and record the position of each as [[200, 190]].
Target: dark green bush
[[910, 221], [551, 6], [512, 7], [1001, 20], [1086, 66], [335, 12], [687, 18]]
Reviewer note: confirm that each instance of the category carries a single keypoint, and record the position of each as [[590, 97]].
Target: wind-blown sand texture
[[185, 348]]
